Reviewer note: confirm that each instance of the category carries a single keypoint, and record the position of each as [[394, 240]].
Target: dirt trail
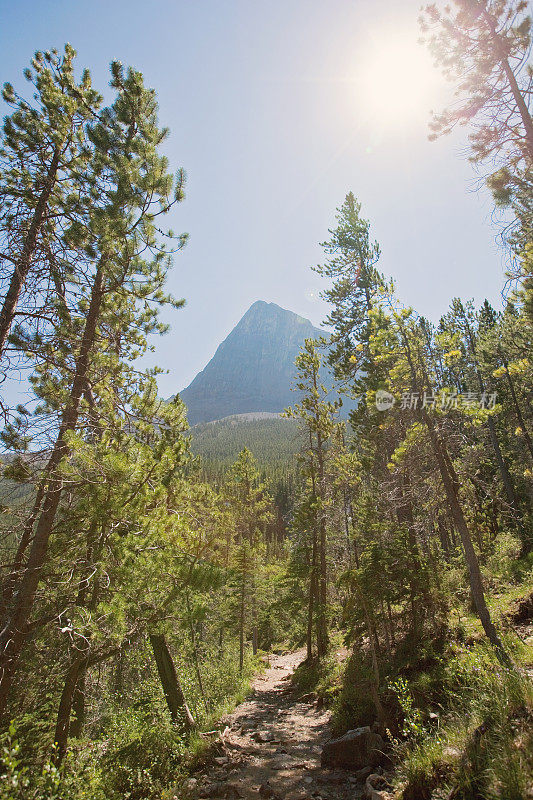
[[271, 746]]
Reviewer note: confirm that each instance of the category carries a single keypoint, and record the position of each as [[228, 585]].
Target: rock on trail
[[271, 746]]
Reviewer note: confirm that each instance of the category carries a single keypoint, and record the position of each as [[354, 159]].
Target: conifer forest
[[329, 600]]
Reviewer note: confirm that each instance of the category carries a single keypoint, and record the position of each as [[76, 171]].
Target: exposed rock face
[[355, 750], [253, 369]]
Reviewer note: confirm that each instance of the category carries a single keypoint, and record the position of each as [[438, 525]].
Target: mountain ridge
[[253, 368]]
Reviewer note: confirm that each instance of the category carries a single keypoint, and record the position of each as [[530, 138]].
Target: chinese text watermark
[[443, 400]]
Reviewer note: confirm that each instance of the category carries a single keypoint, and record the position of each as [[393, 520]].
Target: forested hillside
[[149, 570], [274, 441]]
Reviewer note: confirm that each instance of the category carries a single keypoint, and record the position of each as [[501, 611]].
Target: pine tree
[[462, 319], [352, 257], [114, 309], [252, 508], [483, 46], [126, 481], [397, 355], [413, 369], [42, 155], [317, 418]]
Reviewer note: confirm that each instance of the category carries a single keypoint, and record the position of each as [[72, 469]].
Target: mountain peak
[[253, 368], [262, 307], [261, 311], [260, 304]]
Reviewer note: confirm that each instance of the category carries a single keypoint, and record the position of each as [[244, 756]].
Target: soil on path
[[271, 746]]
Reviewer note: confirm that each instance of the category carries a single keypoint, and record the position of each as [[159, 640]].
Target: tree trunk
[[391, 623], [22, 266], [174, 696], [78, 705], [386, 631], [518, 98], [255, 633], [444, 539], [502, 466], [349, 546], [195, 652], [16, 567], [322, 627], [312, 596], [405, 517], [500, 461], [322, 630], [518, 412], [374, 684], [15, 628], [242, 620], [354, 538], [451, 487], [65, 707]]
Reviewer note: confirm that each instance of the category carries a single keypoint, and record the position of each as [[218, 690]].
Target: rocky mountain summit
[[253, 368]]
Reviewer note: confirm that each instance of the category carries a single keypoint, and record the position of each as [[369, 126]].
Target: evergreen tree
[[114, 308], [483, 46], [317, 418], [252, 512], [43, 153]]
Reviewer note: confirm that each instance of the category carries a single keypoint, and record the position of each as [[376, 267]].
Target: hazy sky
[[277, 109]]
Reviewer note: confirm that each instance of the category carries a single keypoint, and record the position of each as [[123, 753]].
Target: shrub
[[483, 749]]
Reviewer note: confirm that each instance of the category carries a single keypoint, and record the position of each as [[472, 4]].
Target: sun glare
[[395, 80]]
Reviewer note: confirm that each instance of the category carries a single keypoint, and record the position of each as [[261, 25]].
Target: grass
[[467, 731], [482, 748], [201, 749]]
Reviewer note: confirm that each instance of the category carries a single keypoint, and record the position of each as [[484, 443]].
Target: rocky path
[[271, 746]]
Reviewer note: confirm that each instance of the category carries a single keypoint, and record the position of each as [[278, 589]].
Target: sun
[[395, 81]]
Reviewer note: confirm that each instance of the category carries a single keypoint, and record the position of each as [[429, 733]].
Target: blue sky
[[269, 120]]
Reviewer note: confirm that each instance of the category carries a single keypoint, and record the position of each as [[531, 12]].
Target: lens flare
[[395, 81]]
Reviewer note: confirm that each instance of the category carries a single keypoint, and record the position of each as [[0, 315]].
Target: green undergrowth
[[460, 725], [481, 743], [322, 677], [468, 733], [417, 659], [133, 751]]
